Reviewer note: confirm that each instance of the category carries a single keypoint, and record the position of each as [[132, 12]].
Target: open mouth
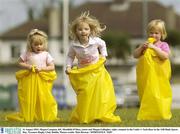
[[38, 50], [84, 36]]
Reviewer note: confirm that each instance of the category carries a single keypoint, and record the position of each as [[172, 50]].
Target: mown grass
[[128, 116]]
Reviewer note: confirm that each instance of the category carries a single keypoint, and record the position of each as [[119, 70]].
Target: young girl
[[153, 75], [35, 81], [90, 80]]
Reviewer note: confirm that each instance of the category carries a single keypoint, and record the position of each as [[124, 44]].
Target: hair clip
[[37, 31]]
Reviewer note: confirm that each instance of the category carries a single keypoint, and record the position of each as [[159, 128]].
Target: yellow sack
[[154, 88], [36, 102], [95, 94]]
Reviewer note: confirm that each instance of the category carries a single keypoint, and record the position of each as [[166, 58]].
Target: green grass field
[[128, 116]]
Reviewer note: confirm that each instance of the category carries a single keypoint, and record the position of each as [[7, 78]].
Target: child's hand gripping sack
[[33, 69]]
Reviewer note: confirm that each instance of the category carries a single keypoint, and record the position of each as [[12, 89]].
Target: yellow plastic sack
[[36, 102], [95, 94], [153, 76]]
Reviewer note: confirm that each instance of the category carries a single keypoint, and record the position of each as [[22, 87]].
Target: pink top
[[40, 59], [163, 46], [88, 54]]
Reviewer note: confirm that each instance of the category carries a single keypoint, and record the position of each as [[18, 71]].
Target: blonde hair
[[157, 25], [36, 36], [93, 23]]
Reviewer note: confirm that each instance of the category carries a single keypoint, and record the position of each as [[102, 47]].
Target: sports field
[[128, 116]]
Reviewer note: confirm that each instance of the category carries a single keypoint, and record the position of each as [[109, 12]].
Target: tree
[[118, 45]]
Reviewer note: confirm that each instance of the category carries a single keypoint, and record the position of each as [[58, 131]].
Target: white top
[[40, 59], [88, 54]]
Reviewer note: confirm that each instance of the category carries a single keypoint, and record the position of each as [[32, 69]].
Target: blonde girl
[[35, 80], [153, 74], [90, 80]]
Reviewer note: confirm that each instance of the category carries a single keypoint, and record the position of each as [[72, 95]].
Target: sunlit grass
[[128, 116]]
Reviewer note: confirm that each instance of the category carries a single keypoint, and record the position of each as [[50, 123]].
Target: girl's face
[[37, 47], [83, 32], [155, 34]]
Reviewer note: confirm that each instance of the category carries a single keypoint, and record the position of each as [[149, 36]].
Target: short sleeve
[[165, 47], [49, 59], [23, 56], [102, 47]]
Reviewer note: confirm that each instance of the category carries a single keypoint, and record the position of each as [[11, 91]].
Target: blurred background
[[126, 22]]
